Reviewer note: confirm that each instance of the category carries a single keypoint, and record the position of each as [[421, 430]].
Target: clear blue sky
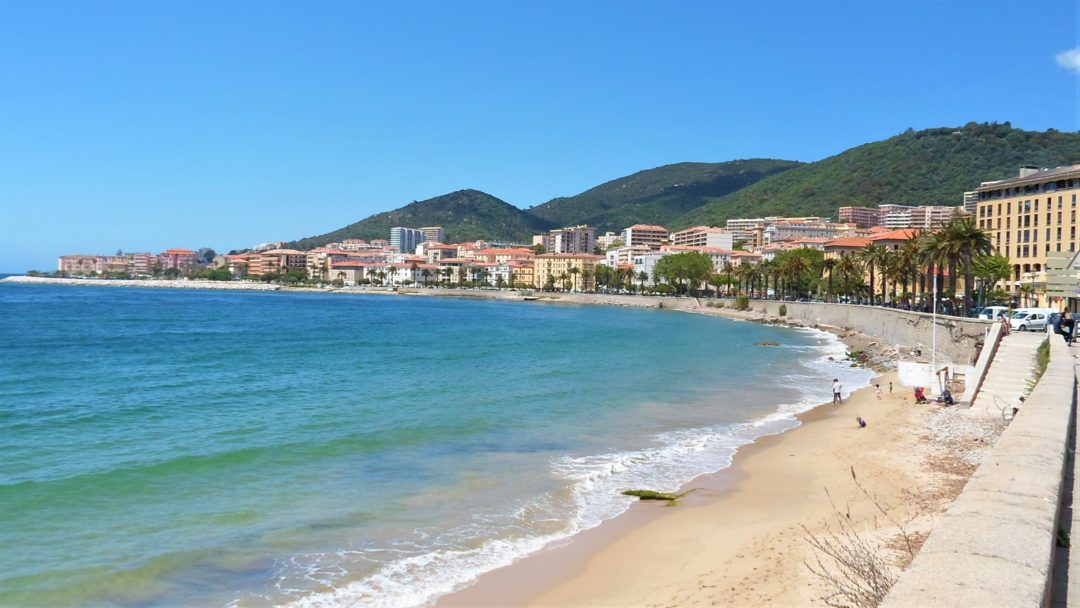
[[146, 125]]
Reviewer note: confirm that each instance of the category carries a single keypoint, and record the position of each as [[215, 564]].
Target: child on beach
[[861, 422], [877, 388], [836, 386]]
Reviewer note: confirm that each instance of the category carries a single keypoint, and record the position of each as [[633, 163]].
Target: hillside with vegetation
[[928, 167], [466, 215], [657, 196]]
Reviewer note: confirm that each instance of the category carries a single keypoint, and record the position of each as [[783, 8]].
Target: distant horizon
[[150, 125]]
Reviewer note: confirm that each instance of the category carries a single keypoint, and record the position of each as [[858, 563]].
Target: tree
[[828, 266], [875, 257], [391, 271], [642, 277], [172, 273], [574, 272], [727, 269], [990, 269], [205, 255], [967, 242]]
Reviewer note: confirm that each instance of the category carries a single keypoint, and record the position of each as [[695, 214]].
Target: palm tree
[[391, 271], [446, 272], [794, 270], [966, 241], [574, 272], [642, 277], [727, 269], [851, 273], [874, 256], [829, 266], [565, 280], [426, 274], [586, 276]]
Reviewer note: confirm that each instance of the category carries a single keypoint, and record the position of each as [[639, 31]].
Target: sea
[[165, 447]]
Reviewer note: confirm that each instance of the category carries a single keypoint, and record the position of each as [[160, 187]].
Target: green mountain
[[657, 196], [466, 215], [929, 167]]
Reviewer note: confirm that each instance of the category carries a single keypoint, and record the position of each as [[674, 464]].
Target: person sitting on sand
[[836, 387], [920, 395], [861, 422]]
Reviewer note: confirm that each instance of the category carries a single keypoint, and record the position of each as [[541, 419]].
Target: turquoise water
[[162, 447]]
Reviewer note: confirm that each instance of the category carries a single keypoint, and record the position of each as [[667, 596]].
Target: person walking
[[836, 388]]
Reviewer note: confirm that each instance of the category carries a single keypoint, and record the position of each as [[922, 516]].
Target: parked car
[[992, 312], [1031, 319]]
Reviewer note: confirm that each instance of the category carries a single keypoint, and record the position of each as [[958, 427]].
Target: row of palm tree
[[909, 272]]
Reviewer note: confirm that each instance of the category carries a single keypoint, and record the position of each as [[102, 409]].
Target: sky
[[146, 125]]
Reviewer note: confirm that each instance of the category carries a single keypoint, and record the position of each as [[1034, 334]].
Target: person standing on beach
[[836, 387], [877, 388]]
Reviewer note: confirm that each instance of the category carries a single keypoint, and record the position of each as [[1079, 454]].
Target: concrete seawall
[[995, 545], [957, 339]]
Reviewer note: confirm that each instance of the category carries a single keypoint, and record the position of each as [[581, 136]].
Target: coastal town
[[1013, 241]]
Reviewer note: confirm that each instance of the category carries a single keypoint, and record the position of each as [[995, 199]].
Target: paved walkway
[[1065, 586]]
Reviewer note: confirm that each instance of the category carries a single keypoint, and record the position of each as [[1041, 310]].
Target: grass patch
[[1042, 359]]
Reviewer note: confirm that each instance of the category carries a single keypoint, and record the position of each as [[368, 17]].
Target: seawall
[[995, 545]]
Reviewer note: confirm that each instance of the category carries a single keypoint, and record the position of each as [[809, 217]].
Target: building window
[[1059, 233], [1059, 202], [1026, 251], [1048, 234], [1036, 205]]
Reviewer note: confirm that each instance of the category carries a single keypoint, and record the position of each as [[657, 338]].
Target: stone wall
[[957, 340]]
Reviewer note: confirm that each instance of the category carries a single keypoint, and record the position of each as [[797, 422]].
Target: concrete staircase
[[1009, 374]]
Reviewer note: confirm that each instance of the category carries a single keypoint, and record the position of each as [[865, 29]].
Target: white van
[[991, 313], [1033, 319]]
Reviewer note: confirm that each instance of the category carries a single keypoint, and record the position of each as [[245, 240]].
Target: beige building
[[555, 266], [704, 236], [644, 234], [862, 217], [1030, 216]]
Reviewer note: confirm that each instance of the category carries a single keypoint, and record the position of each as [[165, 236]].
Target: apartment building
[[81, 264], [862, 217], [1030, 216], [644, 234], [405, 240], [551, 267], [181, 259], [572, 239], [281, 260], [895, 217], [433, 233], [704, 236]]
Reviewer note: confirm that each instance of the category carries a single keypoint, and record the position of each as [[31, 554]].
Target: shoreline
[[740, 538]]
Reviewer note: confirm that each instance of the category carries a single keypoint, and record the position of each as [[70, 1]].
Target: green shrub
[[783, 310], [742, 303]]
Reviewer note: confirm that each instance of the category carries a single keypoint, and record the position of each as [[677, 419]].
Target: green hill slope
[[933, 166], [466, 215], [656, 196]]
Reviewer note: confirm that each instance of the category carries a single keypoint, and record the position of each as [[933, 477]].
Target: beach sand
[[738, 540]]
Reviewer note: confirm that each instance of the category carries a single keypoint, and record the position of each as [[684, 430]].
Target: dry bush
[[855, 566]]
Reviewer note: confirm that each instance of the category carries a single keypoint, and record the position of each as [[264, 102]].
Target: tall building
[[652, 237], [704, 236], [572, 239], [971, 202], [405, 240], [433, 233], [862, 217], [1030, 216]]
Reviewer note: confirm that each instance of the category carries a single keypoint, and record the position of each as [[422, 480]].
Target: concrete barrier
[[995, 545], [957, 341]]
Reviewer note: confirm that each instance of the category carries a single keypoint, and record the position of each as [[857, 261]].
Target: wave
[[593, 493]]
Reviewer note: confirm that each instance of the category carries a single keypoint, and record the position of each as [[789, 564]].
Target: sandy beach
[[739, 538]]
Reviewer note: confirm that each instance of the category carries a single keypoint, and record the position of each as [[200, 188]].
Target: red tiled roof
[[850, 241], [904, 234], [647, 227]]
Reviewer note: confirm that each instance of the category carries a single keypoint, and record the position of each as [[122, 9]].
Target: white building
[[405, 240], [704, 236], [650, 236], [646, 262]]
